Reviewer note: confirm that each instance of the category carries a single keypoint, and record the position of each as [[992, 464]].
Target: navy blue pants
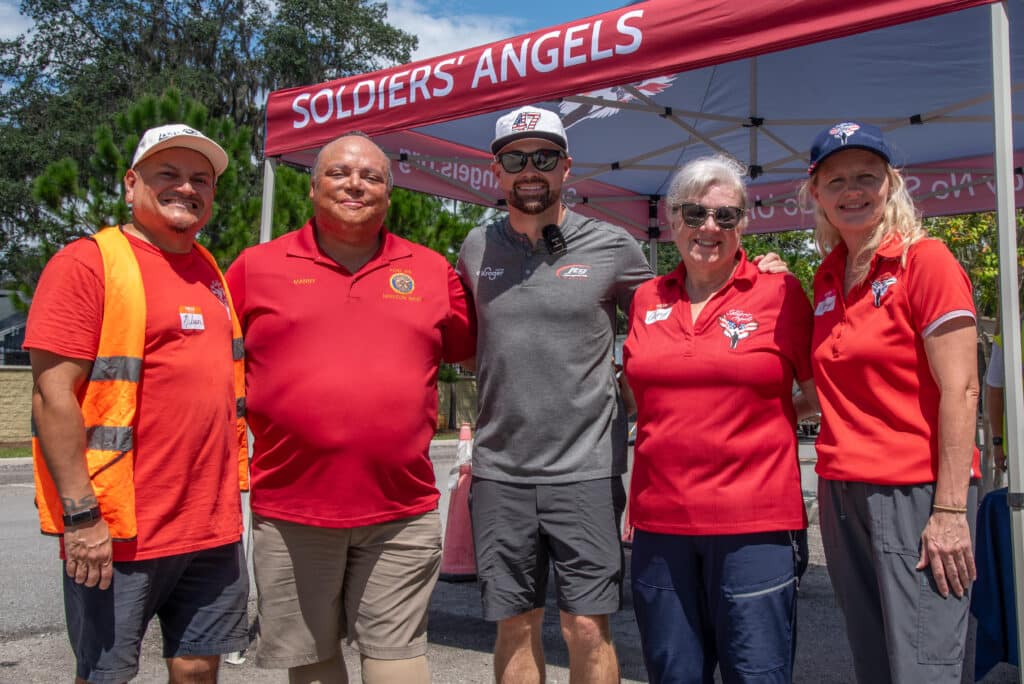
[[726, 600]]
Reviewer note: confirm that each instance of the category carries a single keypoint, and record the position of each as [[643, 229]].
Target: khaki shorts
[[318, 585]]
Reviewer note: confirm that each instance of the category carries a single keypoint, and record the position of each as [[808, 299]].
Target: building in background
[[12, 333]]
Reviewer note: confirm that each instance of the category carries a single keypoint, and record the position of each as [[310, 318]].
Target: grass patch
[[15, 450], [446, 434]]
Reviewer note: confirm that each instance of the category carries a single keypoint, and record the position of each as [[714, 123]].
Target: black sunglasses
[[694, 215], [543, 160]]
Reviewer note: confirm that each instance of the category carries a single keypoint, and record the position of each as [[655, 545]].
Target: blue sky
[[442, 25], [446, 26]]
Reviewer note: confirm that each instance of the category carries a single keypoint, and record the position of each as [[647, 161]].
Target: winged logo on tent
[[573, 112]]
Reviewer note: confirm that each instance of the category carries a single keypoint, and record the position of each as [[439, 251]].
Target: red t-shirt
[[341, 377], [716, 438], [186, 453], [879, 401]]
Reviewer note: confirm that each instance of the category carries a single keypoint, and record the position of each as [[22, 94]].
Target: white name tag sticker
[[191, 318], [827, 303], [655, 315]]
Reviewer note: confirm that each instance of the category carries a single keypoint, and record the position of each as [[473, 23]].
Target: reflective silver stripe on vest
[[126, 368], [109, 438], [240, 407], [237, 349]]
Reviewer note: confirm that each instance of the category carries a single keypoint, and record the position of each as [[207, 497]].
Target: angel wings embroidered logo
[[574, 112], [880, 287], [737, 325]]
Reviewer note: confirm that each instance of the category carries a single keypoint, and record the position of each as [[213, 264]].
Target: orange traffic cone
[[458, 562]]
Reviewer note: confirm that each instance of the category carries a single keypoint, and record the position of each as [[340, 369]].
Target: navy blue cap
[[848, 135]]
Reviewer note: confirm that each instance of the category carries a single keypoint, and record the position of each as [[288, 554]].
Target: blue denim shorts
[[201, 599]]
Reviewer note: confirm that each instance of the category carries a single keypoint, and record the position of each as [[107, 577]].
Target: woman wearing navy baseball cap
[[894, 360]]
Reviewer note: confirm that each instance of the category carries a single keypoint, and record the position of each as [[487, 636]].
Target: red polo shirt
[[341, 376], [716, 438], [879, 401]]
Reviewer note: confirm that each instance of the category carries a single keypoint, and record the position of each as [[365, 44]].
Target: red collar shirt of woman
[[716, 444]]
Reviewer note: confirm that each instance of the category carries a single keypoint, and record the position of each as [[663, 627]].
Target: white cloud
[[12, 24], [441, 29]]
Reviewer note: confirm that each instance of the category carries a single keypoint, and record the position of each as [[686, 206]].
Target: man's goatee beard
[[532, 206]]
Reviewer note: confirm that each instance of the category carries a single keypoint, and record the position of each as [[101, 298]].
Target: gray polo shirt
[[549, 408]]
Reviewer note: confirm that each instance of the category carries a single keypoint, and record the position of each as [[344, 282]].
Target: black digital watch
[[82, 517]]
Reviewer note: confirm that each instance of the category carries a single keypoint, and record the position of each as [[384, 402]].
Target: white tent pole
[[1008, 295], [267, 206]]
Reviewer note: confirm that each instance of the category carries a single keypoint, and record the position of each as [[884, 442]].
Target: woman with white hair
[[895, 365], [712, 353]]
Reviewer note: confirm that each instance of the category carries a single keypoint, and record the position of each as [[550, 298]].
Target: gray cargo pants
[[899, 627]]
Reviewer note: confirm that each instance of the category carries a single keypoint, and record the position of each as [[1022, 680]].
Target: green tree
[[224, 53], [76, 200], [973, 239], [309, 41], [797, 249], [431, 221], [87, 60]]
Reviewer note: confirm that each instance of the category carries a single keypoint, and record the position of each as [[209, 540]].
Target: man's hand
[[999, 458], [89, 554], [770, 263], [946, 547]]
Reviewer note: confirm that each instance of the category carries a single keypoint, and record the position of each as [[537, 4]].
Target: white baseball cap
[[529, 122], [180, 135]]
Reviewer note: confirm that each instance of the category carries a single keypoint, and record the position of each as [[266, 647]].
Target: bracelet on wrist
[[997, 440], [949, 509], [82, 517]]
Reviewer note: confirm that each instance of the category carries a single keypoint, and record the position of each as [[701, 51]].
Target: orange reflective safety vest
[[108, 408]]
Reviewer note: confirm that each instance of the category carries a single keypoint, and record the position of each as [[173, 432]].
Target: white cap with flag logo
[[529, 122], [180, 135]]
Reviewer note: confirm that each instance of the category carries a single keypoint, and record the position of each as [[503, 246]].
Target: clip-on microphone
[[554, 240]]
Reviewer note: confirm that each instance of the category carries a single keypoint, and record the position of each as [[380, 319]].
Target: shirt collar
[[305, 246], [570, 225], [890, 249], [746, 272]]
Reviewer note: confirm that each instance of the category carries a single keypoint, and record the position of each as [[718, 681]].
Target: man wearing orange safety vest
[[138, 423]]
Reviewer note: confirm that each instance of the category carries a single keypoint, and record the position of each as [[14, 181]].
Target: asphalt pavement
[[34, 647]]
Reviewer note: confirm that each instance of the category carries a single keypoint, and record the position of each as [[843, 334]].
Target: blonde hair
[[698, 176], [899, 218]]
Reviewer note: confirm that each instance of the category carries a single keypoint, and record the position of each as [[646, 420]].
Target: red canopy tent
[[644, 88]]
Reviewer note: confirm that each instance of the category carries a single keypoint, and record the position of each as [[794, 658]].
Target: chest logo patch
[[402, 283], [573, 272], [880, 287], [217, 289], [660, 314], [737, 325], [827, 303], [191, 318], [490, 273]]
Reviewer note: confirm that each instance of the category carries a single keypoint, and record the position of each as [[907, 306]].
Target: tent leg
[[267, 207], [1008, 297]]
